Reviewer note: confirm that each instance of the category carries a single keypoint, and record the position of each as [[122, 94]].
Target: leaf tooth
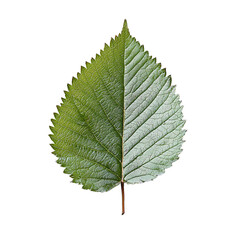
[[184, 122], [82, 69], [112, 41], [87, 65], [78, 75], [59, 161], [55, 151], [179, 101], [92, 60], [66, 94], [52, 137], [154, 60], [52, 145], [181, 104], [184, 132], [53, 121], [52, 129], [173, 89], [97, 56], [164, 71], [170, 81], [158, 66], [63, 99], [58, 108], [67, 171], [56, 115], [149, 58], [63, 165], [146, 53], [74, 80], [68, 87]]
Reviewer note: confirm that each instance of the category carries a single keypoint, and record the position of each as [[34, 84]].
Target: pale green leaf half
[[120, 119]]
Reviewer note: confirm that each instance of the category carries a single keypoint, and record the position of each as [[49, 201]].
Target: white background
[[201, 43]]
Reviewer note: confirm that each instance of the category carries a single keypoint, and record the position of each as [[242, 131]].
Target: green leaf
[[120, 120]]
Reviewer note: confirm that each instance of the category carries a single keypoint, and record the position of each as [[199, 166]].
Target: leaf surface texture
[[120, 119]]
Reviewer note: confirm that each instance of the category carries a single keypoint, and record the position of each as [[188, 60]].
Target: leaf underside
[[120, 119]]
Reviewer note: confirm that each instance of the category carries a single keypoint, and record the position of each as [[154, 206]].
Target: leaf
[[120, 120]]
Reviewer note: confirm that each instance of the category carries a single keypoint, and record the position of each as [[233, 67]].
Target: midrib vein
[[123, 119]]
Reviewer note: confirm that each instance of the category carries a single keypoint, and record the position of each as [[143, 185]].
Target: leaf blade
[[120, 121]]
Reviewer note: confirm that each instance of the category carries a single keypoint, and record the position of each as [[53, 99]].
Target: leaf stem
[[123, 198]]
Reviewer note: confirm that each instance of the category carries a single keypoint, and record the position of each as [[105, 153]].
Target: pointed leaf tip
[[125, 28], [125, 24]]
